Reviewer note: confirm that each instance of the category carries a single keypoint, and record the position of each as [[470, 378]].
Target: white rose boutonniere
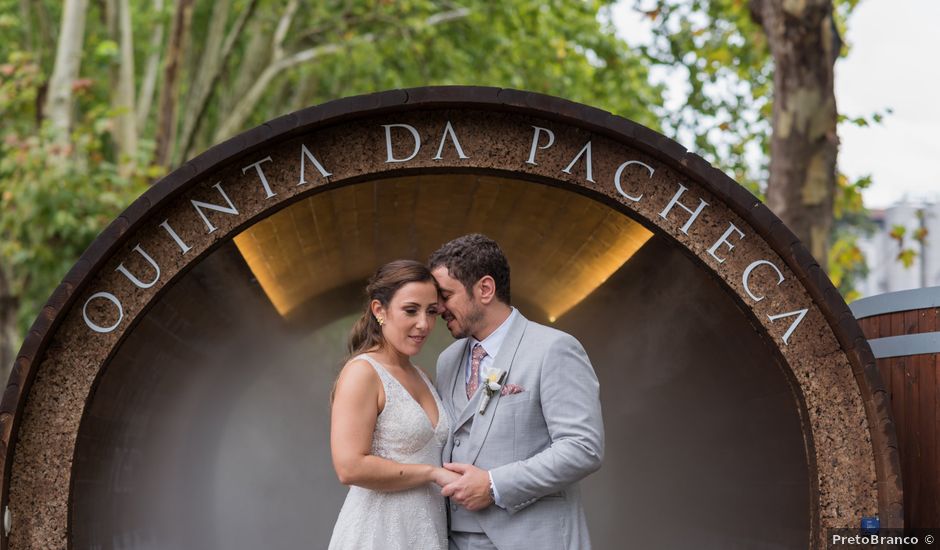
[[492, 383]]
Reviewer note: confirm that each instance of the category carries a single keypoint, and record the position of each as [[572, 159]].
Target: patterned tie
[[476, 356]]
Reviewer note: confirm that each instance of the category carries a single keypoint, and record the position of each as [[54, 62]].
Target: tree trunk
[[58, 108], [169, 99], [252, 64], [149, 84], [124, 102], [234, 121], [303, 90], [804, 44], [26, 25], [111, 18], [9, 336], [47, 32], [215, 58]]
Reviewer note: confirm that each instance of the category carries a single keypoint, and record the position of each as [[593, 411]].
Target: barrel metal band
[[907, 344], [905, 300]]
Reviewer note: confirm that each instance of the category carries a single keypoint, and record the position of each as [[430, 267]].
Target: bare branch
[[447, 16], [246, 105], [283, 25], [27, 26], [199, 106], [243, 109], [149, 84]]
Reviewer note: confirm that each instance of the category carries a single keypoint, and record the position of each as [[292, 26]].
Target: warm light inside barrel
[[581, 242]]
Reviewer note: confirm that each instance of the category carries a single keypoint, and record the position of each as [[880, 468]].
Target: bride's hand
[[443, 476]]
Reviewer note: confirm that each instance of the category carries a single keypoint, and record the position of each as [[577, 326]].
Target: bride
[[388, 424]]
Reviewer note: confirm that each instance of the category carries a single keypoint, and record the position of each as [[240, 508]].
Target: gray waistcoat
[[460, 518]]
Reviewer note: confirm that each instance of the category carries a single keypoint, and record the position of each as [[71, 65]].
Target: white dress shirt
[[491, 345]]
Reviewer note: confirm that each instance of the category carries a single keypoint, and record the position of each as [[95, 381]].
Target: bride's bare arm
[[356, 405]]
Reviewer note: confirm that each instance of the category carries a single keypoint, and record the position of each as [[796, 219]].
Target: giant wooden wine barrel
[[174, 391], [903, 329]]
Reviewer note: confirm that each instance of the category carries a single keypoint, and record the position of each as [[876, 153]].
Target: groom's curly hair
[[470, 258]]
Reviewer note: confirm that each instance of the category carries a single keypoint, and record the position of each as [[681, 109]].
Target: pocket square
[[510, 389]]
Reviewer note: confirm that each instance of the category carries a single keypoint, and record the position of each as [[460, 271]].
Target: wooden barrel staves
[[903, 329]]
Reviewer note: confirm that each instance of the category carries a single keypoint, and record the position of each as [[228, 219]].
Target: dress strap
[[379, 369], [424, 376]]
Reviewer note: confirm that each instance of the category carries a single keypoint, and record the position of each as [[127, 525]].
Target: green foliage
[[724, 58], [725, 62], [54, 199], [562, 48], [851, 221], [907, 254], [727, 117], [897, 233], [865, 121]]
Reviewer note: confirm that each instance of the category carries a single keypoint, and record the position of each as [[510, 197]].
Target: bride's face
[[409, 317]]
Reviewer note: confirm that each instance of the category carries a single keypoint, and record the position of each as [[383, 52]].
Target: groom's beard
[[470, 323]]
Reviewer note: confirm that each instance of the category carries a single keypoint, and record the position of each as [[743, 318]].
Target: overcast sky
[[894, 63]]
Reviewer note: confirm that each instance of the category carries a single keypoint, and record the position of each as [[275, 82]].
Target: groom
[[522, 443]]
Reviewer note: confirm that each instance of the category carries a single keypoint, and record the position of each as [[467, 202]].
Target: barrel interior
[[209, 427]]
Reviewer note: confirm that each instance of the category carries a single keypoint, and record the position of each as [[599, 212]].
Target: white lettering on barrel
[[589, 169], [535, 143], [306, 154], [747, 275], [800, 313], [209, 206], [449, 130], [388, 142], [109, 297], [723, 240], [264, 180], [184, 248], [619, 174], [137, 282], [675, 201]]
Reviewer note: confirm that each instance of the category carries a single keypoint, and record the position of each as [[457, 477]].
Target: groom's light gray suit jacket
[[536, 444]]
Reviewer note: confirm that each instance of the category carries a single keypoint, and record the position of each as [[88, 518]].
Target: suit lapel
[[471, 407], [458, 384], [504, 361]]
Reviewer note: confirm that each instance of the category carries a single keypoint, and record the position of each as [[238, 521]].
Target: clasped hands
[[464, 484]]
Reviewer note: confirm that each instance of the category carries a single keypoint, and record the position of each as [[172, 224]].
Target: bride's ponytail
[[366, 334]]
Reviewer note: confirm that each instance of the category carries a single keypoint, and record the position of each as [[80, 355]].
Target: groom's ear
[[486, 289]]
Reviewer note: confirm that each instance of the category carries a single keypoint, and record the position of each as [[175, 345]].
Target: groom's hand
[[471, 490]]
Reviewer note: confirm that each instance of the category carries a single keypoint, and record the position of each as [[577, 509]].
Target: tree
[[218, 68], [294, 57], [804, 43], [59, 180], [761, 106]]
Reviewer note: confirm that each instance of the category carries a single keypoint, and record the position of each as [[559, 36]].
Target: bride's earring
[[380, 320]]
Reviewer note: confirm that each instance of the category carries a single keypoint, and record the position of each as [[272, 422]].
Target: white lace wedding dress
[[413, 519]]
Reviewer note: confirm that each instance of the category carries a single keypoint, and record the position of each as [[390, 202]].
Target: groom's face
[[459, 310]]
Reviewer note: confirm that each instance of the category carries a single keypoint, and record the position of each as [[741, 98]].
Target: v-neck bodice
[[403, 430], [411, 519]]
